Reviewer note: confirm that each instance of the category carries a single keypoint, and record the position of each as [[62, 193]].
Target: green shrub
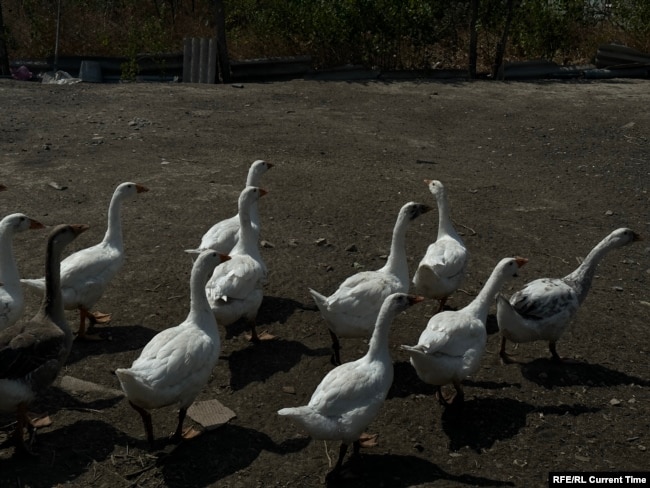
[[388, 34]]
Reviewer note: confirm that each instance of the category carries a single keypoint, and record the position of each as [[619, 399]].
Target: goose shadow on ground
[[115, 339], [276, 355], [274, 310], [551, 374], [62, 454], [479, 423], [279, 309], [55, 399], [372, 470], [406, 383], [219, 454]]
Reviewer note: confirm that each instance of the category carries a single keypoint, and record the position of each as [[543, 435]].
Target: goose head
[[436, 188], [398, 302], [64, 234], [19, 223], [129, 189], [622, 237], [248, 196], [208, 260], [257, 169], [413, 210], [510, 266]]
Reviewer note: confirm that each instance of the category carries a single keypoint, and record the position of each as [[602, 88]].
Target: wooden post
[[212, 61], [187, 60], [196, 60], [473, 39], [222, 48], [203, 61], [4, 55]]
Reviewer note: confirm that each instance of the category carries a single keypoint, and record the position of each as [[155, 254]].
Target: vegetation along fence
[[383, 34]]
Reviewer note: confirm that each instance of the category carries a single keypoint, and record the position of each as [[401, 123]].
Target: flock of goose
[[226, 285]]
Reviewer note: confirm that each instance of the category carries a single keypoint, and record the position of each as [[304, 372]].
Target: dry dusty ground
[[543, 170]]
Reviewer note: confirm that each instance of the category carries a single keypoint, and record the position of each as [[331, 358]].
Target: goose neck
[[580, 279], [445, 225], [255, 215], [52, 304], [397, 262], [378, 346], [480, 306], [200, 310], [114, 226], [247, 234]]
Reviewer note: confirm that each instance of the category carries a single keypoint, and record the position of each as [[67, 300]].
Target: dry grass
[[137, 28]]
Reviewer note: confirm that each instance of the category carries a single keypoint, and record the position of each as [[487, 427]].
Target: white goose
[[177, 362], [12, 299], [85, 274], [442, 269], [349, 397], [235, 290], [223, 235], [451, 346], [542, 310], [351, 311], [33, 352]]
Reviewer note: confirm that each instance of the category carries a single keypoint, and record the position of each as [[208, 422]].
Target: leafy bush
[[388, 34]]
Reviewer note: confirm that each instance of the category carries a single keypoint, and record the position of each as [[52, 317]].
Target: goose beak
[[141, 188], [35, 224], [428, 182], [79, 228], [637, 237], [520, 261], [224, 257], [269, 165], [413, 299], [263, 192]]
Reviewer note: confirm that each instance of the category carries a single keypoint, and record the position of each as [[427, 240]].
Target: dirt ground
[[543, 170]]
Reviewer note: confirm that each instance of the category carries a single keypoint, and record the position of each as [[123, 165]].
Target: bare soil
[[542, 169]]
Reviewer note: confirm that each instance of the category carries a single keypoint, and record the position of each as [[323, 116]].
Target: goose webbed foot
[[505, 357], [99, 318], [557, 358], [256, 338], [181, 434], [93, 319], [365, 440], [453, 401]]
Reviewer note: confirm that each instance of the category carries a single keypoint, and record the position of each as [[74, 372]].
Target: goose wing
[[25, 348], [544, 298]]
